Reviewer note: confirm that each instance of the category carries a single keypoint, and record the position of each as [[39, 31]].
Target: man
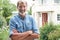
[[22, 26]]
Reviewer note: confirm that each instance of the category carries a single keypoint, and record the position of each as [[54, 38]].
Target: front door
[[44, 18]]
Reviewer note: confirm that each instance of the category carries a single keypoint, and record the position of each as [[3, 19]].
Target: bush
[[45, 30], [4, 34], [6, 8], [6, 12], [3, 28], [30, 11], [7, 19], [2, 21], [54, 35]]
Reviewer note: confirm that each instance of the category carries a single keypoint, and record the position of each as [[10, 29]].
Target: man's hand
[[25, 35], [20, 36], [29, 32], [15, 31], [34, 35]]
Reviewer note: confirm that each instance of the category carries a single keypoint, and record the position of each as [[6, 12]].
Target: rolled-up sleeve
[[12, 25], [35, 28]]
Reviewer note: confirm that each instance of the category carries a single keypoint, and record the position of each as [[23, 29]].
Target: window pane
[[58, 17], [57, 1]]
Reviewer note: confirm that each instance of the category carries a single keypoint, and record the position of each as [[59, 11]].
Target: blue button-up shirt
[[23, 25]]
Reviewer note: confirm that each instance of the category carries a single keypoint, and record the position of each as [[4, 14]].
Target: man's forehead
[[22, 2]]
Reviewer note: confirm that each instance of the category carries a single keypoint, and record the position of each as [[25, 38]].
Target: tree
[[30, 11], [6, 8], [2, 21]]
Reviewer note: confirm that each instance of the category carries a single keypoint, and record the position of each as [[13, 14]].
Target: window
[[42, 1], [56, 1], [45, 2], [58, 17]]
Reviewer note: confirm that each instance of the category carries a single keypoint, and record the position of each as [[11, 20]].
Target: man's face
[[22, 7]]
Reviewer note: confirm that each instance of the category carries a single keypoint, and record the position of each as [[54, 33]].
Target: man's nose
[[22, 8]]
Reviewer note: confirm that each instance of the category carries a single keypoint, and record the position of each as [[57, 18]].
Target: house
[[46, 11]]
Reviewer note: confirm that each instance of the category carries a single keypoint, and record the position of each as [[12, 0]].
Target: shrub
[[6, 12], [6, 8], [2, 21], [30, 11], [55, 35], [4, 34], [45, 30], [3, 28], [7, 19]]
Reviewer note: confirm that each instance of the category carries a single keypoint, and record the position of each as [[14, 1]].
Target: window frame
[[58, 17]]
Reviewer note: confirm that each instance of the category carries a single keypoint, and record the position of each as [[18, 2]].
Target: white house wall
[[52, 11], [54, 17]]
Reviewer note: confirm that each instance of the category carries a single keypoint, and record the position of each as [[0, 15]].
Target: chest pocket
[[29, 25], [19, 27]]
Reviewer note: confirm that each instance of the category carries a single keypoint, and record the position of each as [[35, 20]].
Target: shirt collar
[[21, 17]]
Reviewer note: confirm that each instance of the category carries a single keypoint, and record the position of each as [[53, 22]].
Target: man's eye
[[24, 6], [20, 6]]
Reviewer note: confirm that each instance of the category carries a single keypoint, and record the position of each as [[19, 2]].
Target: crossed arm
[[25, 35]]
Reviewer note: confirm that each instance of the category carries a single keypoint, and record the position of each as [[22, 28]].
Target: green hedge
[[2, 21], [54, 35], [3, 28], [48, 31], [4, 35], [7, 19]]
